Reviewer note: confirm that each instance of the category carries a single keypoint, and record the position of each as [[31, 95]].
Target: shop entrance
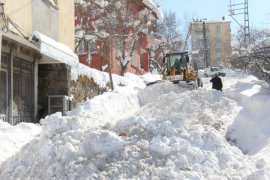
[[16, 90]]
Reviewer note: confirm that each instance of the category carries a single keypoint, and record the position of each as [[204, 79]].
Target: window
[[218, 32], [92, 47], [218, 44], [218, 54], [86, 47], [133, 59]]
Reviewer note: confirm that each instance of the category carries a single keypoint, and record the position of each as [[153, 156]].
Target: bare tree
[[116, 23], [169, 28], [165, 38], [255, 59]]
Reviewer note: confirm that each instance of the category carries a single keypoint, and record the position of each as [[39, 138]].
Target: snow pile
[[102, 78], [253, 96], [154, 91], [99, 78], [12, 138], [164, 131], [105, 109], [176, 136]]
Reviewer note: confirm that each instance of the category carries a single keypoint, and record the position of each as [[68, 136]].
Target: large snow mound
[[176, 136]]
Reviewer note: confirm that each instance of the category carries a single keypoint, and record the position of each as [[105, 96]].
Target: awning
[[18, 39], [54, 51], [14, 38]]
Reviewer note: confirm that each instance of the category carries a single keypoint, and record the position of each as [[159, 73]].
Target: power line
[[214, 9], [218, 10], [7, 20], [221, 11], [241, 9]]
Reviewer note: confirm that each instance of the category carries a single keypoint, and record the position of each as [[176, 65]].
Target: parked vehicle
[[211, 71]]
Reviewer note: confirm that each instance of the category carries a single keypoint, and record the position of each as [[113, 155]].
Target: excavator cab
[[177, 68]]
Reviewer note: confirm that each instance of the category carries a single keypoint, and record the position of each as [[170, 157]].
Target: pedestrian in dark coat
[[216, 83]]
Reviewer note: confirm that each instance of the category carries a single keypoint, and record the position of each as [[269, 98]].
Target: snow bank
[[99, 78], [253, 95], [177, 136], [167, 132], [12, 138]]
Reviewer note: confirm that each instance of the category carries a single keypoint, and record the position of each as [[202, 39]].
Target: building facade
[[92, 56], [36, 55], [212, 42]]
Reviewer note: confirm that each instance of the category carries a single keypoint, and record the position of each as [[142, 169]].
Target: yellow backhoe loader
[[177, 67]]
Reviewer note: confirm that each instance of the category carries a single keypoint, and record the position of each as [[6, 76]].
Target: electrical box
[[58, 103]]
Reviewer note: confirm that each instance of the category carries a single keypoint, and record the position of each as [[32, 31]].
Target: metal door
[[3, 94], [16, 90], [22, 104], [4, 89]]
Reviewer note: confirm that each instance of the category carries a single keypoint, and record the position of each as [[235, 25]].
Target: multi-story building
[[92, 56], [36, 55], [212, 42]]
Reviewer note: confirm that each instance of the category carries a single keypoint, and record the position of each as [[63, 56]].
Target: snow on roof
[[149, 3], [264, 43], [154, 7], [101, 3], [54, 49], [100, 78], [258, 45], [211, 21]]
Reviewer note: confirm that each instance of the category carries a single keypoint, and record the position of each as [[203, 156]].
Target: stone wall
[[83, 89], [54, 79]]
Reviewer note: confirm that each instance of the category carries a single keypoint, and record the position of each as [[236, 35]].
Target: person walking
[[216, 83]]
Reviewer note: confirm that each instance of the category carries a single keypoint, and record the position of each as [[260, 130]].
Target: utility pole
[[205, 45], [237, 9]]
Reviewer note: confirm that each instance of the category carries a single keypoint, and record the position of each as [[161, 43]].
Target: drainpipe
[[0, 48], [35, 90], [37, 56], [11, 85]]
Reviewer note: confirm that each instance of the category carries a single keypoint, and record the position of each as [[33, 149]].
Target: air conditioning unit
[[58, 103]]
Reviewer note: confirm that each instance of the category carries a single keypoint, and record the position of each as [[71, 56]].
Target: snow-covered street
[[134, 90], [167, 132]]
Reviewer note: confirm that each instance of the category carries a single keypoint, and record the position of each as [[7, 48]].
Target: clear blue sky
[[259, 11]]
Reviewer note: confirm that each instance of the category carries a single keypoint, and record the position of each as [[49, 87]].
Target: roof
[[177, 53], [211, 22], [53, 50], [16, 38], [151, 5]]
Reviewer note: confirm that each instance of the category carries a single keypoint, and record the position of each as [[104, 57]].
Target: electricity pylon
[[237, 9]]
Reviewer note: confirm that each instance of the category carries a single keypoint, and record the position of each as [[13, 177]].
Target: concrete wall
[[56, 21], [45, 18], [66, 24], [225, 46], [21, 13], [213, 49]]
